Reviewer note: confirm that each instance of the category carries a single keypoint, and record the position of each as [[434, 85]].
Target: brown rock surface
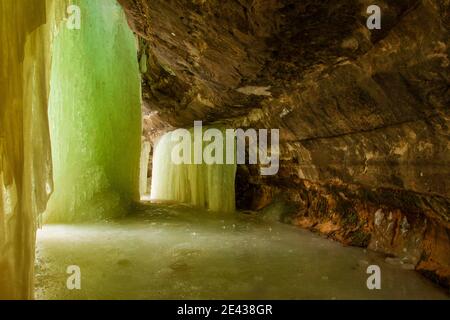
[[365, 112]]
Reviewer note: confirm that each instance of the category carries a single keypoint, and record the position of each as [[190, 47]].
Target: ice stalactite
[[95, 116], [203, 185], [145, 158], [25, 163]]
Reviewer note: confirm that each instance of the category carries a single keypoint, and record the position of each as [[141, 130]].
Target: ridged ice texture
[[95, 116], [25, 162], [202, 185], [145, 158]]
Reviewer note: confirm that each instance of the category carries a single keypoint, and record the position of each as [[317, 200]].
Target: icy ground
[[175, 252]]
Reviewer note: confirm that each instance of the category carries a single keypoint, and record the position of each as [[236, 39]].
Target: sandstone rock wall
[[366, 110]]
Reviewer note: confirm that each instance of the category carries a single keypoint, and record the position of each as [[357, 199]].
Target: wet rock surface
[[410, 228]]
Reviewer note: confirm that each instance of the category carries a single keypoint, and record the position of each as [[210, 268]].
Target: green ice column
[[94, 115]]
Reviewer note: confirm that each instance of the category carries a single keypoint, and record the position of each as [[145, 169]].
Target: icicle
[[25, 163], [203, 185], [145, 158]]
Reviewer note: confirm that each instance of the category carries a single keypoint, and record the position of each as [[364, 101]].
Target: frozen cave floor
[[176, 252]]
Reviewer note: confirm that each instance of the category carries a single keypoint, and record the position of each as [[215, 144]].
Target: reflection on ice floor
[[175, 252]]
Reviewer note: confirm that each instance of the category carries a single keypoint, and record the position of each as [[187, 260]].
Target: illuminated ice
[[95, 116], [203, 185]]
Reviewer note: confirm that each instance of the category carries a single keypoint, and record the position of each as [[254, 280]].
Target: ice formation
[[25, 162], [203, 185], [145, 158], [95, 116]]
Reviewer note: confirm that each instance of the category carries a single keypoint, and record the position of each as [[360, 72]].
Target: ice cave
[[94, 95]]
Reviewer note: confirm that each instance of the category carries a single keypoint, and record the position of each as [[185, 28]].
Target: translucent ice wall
[[95, 116], [25, 162], [202, 185]]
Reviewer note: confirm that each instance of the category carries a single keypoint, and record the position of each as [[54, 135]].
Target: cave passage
[[191, 243], [202, 249]]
